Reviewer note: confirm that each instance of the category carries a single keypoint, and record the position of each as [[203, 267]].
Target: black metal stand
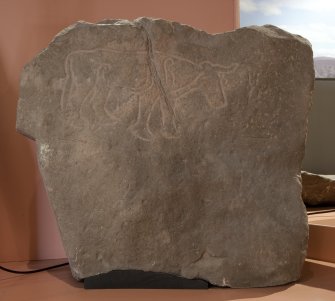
[[141, 279]]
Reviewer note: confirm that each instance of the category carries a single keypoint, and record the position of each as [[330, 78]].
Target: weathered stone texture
[[164, 148], [318, 190]]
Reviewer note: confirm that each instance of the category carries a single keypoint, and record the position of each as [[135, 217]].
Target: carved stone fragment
[[167, 149], [318, 190]]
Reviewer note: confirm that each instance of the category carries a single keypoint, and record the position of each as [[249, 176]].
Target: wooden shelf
[[321, 244]]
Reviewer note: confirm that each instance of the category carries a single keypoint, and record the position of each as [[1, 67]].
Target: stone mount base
[[120, 279]]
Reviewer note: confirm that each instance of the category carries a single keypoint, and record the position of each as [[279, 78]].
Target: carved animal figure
[[95, 77]]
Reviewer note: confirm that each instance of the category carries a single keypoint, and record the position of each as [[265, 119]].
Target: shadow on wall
[[24, 207], [18, 172], [27, 225]]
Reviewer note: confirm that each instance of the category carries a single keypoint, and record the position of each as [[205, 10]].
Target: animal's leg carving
[[140, 128], [169, 75], [169, 126], [111, 113], [102, 90]]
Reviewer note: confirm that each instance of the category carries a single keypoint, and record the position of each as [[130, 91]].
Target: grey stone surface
[[164, 148], [318, 190]]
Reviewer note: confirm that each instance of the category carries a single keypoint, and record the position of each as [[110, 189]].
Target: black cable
[[33, 271]]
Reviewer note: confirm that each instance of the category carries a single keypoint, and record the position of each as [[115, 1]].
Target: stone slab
[[167, 149], [318, 190]]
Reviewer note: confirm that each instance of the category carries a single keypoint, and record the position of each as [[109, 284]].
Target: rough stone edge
[[267, 30], [212, 39]]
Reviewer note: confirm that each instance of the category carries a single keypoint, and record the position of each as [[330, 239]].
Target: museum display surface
[[167, 149]]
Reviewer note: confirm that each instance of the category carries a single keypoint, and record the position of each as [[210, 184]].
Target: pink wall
[[27, 225]]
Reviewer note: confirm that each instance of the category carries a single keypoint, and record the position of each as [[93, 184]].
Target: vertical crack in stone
[[154, 72]]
